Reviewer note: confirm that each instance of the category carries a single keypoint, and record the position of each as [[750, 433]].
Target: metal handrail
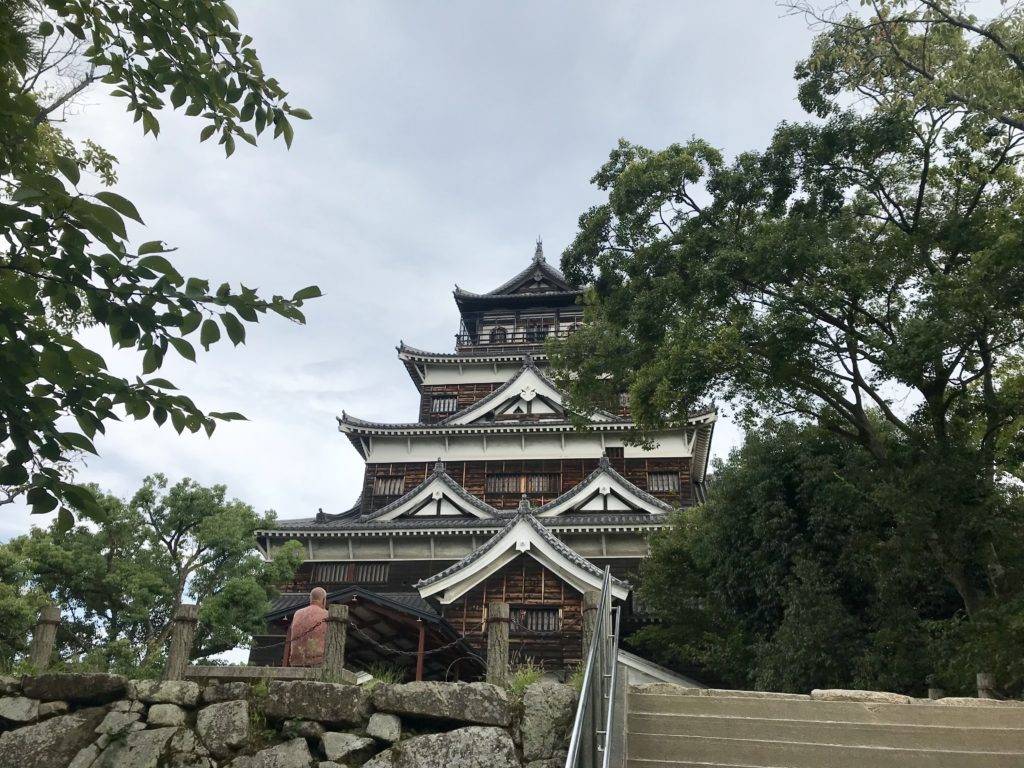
[[589, 742]]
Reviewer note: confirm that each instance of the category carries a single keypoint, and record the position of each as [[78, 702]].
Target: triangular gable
[[539, 277], [524, 535], [437, 496], [604, 490], [527, 394]]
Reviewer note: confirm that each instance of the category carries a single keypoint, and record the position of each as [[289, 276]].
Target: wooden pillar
[[986, 685], [591, 598], [420, 647], [334, 643], [43, 637], [497, 643], [183, 632]]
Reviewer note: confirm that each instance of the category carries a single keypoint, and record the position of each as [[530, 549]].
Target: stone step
[[658, 750], [830, 732], [782, 708]]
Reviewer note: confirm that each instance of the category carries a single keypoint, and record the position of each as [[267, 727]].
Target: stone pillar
[[334, 643], [498, 616], [591, 598], [183, 632], [43, 637], [986, 686]]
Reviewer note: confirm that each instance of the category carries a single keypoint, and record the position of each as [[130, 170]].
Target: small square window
[[389, 485], [663, 482], [444, 404], [536, 619]]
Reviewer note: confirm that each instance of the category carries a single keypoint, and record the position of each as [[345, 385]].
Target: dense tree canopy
[[66, 260], [119, 583], [863, 272], [799, 573]]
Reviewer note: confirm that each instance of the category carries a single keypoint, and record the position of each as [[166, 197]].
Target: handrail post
[[43, 637], [335, 640], [183, 633], [498, 616]]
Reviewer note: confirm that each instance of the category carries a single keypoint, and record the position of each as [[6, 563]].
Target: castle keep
[[492, 494]]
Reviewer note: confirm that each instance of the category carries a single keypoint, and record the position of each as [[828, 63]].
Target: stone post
[[183, 632], [934, 691], [498, 616], [43, 637], [591, 598], [334, 643], [986, 685]]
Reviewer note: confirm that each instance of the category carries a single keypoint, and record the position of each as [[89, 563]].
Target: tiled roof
[[523, 514], [438, 473], [604, 467], [537, 263]]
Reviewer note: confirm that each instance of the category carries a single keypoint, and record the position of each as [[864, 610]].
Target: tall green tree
[[66, 260], [863, 273], [799, 573], [120, 582]]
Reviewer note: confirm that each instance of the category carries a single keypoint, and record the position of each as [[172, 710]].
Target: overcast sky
[[447, 137]]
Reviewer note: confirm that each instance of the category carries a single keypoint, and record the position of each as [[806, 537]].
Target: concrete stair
[[700, 728]]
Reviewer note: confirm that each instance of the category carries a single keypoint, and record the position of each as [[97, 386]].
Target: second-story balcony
[[502, 338]]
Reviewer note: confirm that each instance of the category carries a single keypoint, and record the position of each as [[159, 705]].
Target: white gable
[[522, 538], [605, 490], [437, 497], [526, 393]]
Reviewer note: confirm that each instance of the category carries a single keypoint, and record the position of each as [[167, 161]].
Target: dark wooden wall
[[524, 582], [472, 475], [465, 394]]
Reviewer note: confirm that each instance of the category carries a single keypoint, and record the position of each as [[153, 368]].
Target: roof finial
[[439, 466], [524, 505], [321, 516], [603, 462], [538, 255]]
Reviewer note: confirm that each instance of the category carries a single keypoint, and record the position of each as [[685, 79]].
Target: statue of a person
[[304, 646]]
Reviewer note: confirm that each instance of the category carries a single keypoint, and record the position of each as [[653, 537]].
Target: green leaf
[[228, 416], [207, 132], [120, 204], [45, 29], [209, 334], [178, 95], [65, 520], [151, 360], [309, 292], [161, 383], [234, 327], [183, 348], [69, 167], [77, 441], [189, 323], [300, 113], [159, 264], [41, 500], [150, 124], [13, 474], [152, 246]]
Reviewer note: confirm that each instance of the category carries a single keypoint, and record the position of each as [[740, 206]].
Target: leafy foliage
[[67, 261], [862, 273], [120, 582], [799, 573]]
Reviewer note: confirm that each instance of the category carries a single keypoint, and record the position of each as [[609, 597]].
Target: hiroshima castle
[[492, 493]]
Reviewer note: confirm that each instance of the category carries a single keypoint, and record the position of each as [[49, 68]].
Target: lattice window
[[372, 573], [518, 482], [663, 482], [444, 404], [537, 619], [498, 335], [330, 573], [388, 485]]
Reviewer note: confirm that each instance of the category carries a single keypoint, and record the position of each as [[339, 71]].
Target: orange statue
[[307, 633]]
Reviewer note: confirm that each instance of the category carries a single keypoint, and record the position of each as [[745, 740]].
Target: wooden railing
[[517, 338]]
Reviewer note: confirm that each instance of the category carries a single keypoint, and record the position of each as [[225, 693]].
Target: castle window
[[498, 335], [388, 486], [519, 482], [372, 573], [444, 404], [536, 619], [663, 482]]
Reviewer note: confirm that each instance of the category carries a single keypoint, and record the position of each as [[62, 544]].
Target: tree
[[798, 573], [120, 582], [862, 273], [66, 260]]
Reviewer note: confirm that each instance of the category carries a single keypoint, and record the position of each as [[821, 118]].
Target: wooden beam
[[419, 651]]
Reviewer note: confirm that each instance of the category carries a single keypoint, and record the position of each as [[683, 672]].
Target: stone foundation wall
[[108, 721]]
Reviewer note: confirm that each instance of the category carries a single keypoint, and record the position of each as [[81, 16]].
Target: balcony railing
[[492, 340]]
